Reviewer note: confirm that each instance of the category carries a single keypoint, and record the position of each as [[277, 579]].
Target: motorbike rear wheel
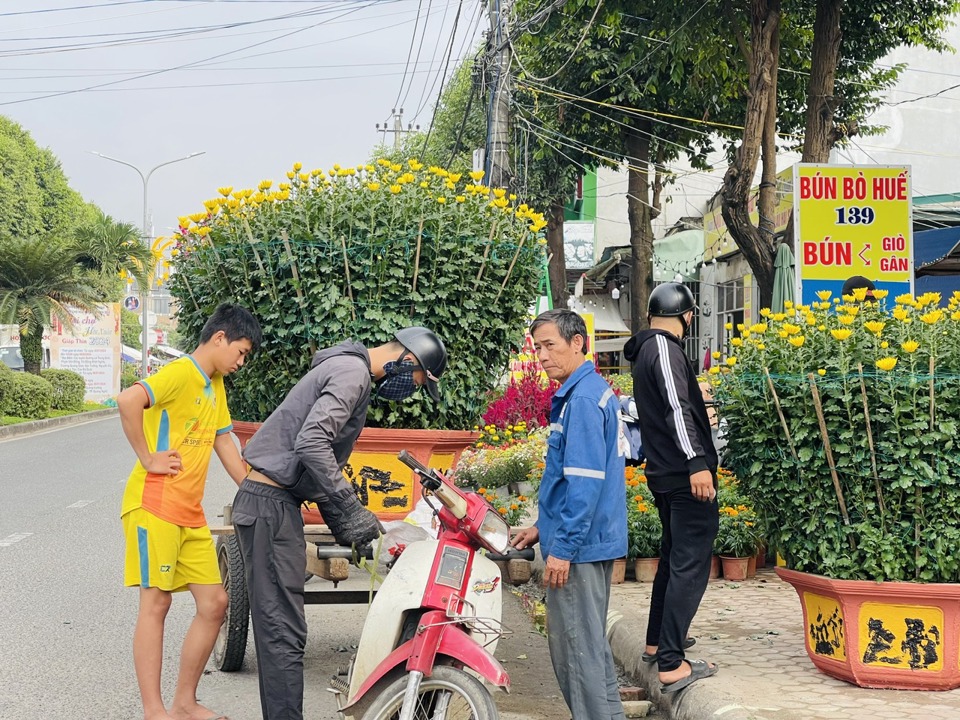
[[448, 694]]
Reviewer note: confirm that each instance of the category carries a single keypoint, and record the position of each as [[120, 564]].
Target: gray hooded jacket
[[307, 440]]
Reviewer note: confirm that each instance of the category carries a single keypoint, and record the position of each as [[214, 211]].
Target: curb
[[35, 426], [699, 702]]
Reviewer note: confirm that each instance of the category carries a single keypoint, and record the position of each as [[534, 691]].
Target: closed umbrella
[[783, 279]]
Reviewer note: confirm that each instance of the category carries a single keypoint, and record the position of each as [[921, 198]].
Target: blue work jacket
[[582, 502]]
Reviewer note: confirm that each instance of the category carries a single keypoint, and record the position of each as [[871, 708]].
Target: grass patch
[[87, 407]]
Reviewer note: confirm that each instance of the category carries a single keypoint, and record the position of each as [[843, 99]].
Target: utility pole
[[497, 161], [398, 128]]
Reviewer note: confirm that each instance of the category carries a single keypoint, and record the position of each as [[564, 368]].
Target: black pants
[[270, 530], [686, 549]]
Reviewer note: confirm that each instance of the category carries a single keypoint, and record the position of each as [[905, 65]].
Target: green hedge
[[6, 385], [31, 397], [69, 388]]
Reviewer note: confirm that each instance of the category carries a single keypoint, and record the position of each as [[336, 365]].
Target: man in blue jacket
[[582, 526]]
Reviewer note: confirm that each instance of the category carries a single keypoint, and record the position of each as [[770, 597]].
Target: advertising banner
[[91, 348], [852, 220]]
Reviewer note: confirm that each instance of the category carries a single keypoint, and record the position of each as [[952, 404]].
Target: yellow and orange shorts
[[166, 556]]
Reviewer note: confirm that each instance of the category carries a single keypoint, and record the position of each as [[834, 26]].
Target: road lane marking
[[13, 539], [79, 504]]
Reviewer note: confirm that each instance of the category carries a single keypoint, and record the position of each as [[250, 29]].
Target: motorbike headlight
[[495, 532]]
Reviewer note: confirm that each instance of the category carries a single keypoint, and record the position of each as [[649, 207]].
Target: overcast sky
[[256, 84]]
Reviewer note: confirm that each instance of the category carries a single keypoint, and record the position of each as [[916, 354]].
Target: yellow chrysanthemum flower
[[442, 200], [821, 372], [396, 189], [736, 342], [758, 328], [884, 345], [373, 186], [824, 294], [910, 346], [880, 294], [225, 191], [728, 326], [477, 175], [765, 312], [715, 370], [796, 340], [791, 328], [899, 313], [731, 361], [904, 299], [461, 198], [841, 333], [875, 326], [887, 364], [415, 165], [847, 320], [860, 294], [932, 317], [715, 355]]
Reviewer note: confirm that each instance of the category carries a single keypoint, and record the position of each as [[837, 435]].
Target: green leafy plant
[[513, 507], [30, 397], [738, 535], [516, 460], [6, 386], [359, 253], [69, 388], [842, 428], [643, 520]]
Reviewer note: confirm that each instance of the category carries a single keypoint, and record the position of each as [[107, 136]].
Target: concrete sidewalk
[[754, 631]]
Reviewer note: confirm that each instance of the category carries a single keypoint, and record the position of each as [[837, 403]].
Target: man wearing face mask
[[682, 475], [296, 456]]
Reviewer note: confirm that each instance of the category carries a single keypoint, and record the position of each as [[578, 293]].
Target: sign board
[[91, 348], [131, 302], [852, 220], [578, 244]]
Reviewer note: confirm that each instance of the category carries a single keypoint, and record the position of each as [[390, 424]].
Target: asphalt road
[[66, 621]]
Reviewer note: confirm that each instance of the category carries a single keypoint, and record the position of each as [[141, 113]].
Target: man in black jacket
[[681, 473]]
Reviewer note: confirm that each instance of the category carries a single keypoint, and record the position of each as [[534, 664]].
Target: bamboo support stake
[[295, 270], [486, 253], [513, 262], [783, 420], [416, 260], [826, 446], [268, 277], [873, 452], [346, 270]]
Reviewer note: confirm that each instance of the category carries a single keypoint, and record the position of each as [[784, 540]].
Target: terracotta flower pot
[[761, 557], [714, 567], [751, 566], [645, 569], [881, 634], [619, 571], [734, 569], [386, 485]]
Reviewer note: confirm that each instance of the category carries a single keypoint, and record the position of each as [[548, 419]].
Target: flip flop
[[652, 657], [699, 669]]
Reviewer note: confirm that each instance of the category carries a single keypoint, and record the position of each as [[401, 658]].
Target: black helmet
[[429, 351], [671, 299]]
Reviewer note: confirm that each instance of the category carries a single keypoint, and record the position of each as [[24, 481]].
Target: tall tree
[[844, 43], [39, 278], [110, 247]]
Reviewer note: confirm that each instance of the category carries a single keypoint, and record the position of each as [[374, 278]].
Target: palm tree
[[108, 247], [39, 278]]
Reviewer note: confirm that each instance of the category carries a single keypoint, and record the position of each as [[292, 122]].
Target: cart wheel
[[232, 641]]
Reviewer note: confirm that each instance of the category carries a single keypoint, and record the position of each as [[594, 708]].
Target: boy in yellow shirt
[[174, 420]]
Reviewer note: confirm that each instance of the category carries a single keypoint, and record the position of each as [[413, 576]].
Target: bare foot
[[195, 712], [160, 715]]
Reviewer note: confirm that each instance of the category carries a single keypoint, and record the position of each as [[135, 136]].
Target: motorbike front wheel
[[448, 694]]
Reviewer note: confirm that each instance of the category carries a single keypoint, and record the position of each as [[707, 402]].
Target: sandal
[[699, 669]]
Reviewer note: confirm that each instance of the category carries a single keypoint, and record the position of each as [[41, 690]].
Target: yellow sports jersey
[[187, 411]]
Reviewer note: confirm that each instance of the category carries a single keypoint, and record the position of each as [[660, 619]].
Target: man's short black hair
[[236, 322], [568, 323]]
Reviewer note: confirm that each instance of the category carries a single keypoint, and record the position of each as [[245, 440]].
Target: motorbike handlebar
[[512, 554], [427, 476]]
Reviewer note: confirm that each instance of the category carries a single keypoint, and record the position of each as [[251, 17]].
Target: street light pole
[[144, 292]]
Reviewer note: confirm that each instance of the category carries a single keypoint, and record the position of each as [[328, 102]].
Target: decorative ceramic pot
[[645, 569], [385, 485], [619, 571], [881, 634]]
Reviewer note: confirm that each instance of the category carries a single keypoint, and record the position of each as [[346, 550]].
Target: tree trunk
[[557, 267], [31, 347], [767, 197], [641, 226], [738, 180], [821, 135]]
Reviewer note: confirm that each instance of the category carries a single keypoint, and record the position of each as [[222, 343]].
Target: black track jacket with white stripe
[[673, 418]]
